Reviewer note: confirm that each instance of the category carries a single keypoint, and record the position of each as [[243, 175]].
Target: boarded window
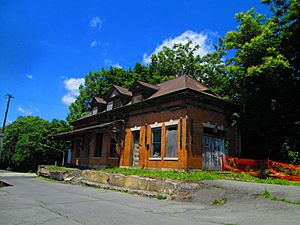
[[87, 146], [171, 146], [98, 145], [156, 142], [117, 103], [113, 150], [137, 98], [77, 148]]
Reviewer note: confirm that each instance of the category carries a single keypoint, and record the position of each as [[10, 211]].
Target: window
[[109, 106], [137, 98], [113, 150], [117, 103], [98, 145], [77, 148], [171, 146], [156, 142], [87, 146], [95, 111]]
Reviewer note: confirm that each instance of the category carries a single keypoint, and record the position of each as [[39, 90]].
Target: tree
[[24, 139], [166, 64], [266, 79]]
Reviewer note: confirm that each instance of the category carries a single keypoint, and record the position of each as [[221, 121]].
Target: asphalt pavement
[[31, 200]]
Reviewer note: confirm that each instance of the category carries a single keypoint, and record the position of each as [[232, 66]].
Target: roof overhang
[[67, 135]]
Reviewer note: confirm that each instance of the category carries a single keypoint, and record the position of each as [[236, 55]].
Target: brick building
[[178, 124]]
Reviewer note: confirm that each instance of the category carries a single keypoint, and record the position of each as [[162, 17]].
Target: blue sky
[[47, 46]]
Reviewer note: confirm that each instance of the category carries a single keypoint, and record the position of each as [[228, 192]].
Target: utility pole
[[9, 96]]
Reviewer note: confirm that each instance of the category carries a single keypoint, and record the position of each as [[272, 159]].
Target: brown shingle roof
[[123, 90], [144, 84], [181, 83], [100, 100]]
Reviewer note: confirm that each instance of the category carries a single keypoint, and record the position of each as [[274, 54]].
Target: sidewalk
[[291, 193]]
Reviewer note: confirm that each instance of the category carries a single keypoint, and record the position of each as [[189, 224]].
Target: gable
[[114, 93]]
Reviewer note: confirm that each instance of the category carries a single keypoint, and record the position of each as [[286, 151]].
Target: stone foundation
[[128, 183]]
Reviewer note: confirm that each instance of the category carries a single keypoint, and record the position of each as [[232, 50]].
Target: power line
[[9, 96]]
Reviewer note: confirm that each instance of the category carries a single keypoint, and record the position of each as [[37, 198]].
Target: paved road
[[31, 200]]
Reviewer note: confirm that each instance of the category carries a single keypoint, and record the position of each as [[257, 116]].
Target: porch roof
[[80, 130]]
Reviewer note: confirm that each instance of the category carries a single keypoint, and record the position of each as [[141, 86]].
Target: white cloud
[[108, 62], [201, 39], [72, 85], [28, 111], [93, 44], [117, 65], [29, 76], [96, 22], [68, 99]]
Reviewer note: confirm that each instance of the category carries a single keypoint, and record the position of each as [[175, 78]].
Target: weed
[[199, 175], [268, 195], [219, 202], [161, 197]]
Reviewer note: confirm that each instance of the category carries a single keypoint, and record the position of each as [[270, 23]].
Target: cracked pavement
[[31, 200]]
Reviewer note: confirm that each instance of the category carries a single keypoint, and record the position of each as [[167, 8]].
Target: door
[[212, 149], [135, 148]]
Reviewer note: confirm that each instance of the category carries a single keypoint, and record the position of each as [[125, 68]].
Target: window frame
[[153, 129], [176, 142]]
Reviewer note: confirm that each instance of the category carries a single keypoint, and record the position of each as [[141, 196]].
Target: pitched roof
[[181, 83], [99, 100], [144, 84], [122, 90]]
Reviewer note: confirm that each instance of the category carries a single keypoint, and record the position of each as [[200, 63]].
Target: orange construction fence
[[261, 168]]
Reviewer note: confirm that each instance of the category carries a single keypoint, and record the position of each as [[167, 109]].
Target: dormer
[[98, 105], [117, 97], [142, 90]]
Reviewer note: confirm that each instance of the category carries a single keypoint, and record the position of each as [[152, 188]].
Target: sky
[[48, 46]]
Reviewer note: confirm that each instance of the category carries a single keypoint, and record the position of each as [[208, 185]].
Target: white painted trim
[[135, 128], [213, 126], [155, 159], [172, 122], [156, 125], [171, 159]]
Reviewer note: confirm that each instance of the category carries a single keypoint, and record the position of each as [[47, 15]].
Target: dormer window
[[142, 90], [137, 98], [117, 97], [109, 106], [98, 105], [95, 111]]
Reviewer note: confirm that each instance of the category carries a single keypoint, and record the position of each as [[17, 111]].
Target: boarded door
[[212, 149], [135, 148]]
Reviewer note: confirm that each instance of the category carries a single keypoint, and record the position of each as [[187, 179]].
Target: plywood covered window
[[98, 145], [113, 144], [171, 143], [78, 145], [156, 142], [88, 146]]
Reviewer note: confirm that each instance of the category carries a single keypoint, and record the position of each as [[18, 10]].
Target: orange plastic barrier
[[261, 168]]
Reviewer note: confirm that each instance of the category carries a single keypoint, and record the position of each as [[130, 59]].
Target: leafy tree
[[166, 64], [24, 141], [266, 79]]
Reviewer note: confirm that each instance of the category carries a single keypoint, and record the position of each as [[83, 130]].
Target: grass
[[268, 195], [200, 175], [219, 202], [59, 168]]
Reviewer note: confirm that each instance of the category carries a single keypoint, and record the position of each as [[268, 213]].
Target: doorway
[[212, 149], [135, 148]]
